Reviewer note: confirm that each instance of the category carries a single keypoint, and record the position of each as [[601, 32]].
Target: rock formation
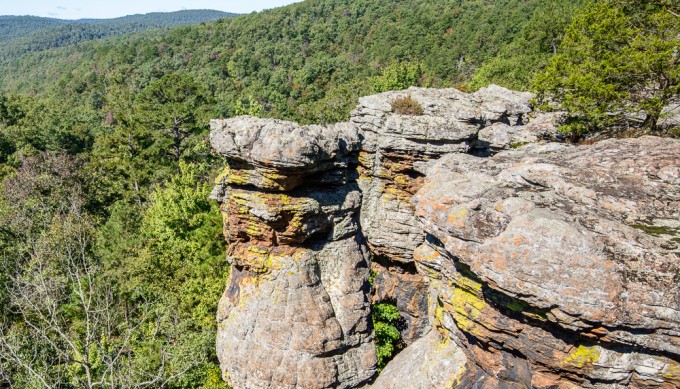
[[295, 313], [556, 266], [514, 262], [396, 151]]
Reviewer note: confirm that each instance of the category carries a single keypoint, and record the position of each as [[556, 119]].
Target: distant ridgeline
[[307, 62], [25, 34]]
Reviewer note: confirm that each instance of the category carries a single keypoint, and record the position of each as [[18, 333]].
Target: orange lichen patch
[[426, 254], [458, 217], [500, 263], [518, 240]]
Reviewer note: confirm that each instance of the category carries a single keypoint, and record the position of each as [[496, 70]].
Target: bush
[[398, 76], [406, 105], [386, 318]]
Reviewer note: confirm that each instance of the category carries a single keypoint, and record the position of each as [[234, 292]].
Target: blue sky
[[77, 9]]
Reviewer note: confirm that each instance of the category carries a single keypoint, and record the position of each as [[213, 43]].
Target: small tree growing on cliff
[[620, 59]]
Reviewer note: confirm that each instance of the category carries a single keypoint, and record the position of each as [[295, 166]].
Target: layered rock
[[514, 262], [556, 266], [396, 152], [295, 313]]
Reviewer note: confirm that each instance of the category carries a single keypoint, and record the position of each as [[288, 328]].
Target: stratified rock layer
[[295, 313], [556, 266], [396, 152], [514, 262]]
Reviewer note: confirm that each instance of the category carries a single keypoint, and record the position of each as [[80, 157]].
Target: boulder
[[514, 262]]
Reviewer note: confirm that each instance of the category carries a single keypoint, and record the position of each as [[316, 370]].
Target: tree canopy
[[619, 64]]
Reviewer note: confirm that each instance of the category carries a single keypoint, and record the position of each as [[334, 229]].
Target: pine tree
[[618, 64]]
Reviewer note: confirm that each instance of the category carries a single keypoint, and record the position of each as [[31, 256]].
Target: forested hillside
[[297, 60], [15, 26], [25, 34], [111, 259]]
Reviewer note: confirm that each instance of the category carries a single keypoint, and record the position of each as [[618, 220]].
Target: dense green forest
[[15, 26], [111, 255], [293, 62], [20, 35]]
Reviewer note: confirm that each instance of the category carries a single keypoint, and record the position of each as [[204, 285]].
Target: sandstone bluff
[[515, 261]]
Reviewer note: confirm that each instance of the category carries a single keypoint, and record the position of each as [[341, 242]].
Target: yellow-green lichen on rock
[[295, 312], [467, 301], [672, 371], [582, 356]]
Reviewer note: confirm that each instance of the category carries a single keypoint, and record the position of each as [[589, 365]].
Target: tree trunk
[[651, 121]]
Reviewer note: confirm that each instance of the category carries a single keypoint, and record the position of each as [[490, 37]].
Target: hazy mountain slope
[[163, 19], [25, 34], [15, 26]]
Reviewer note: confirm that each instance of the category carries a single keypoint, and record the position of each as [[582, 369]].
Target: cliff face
[[295, 312], [395, 154], [544, 265], [514, 262]]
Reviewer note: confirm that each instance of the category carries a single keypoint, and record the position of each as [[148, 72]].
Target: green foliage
[[145, 282], [387, 337], [184, 245], [62, 323], [254, 108], [171, 109], [529, 53], [618, 65], [172, 253], [307, 62], [35, 124], [398, 76]]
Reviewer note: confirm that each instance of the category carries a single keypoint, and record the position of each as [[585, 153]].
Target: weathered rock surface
[[275, 155], [295, 313], [556, 266], [395, 153], [433, 361], [514, 262]]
